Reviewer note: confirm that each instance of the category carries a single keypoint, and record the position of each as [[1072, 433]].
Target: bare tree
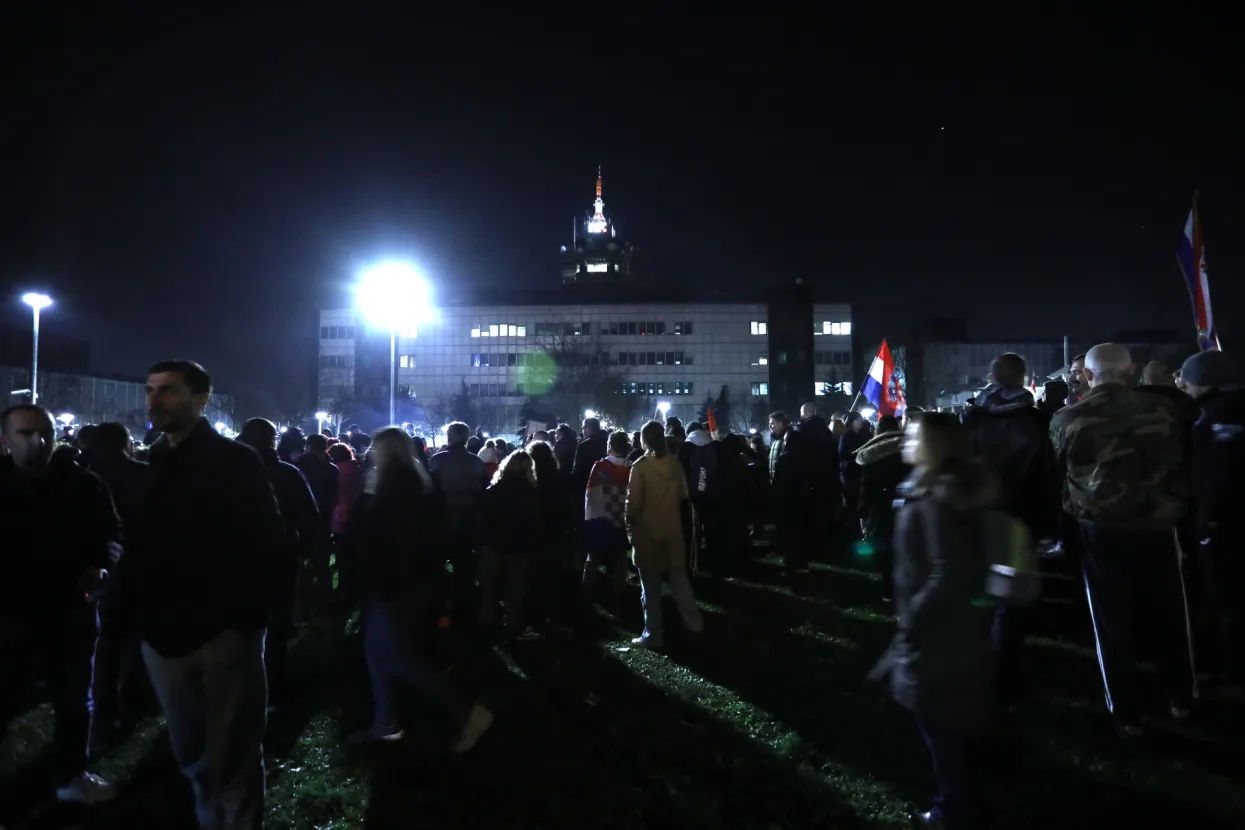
[[572, 373]]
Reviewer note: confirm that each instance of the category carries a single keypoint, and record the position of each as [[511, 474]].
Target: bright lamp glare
[[36, 301], [590, 413], [322, 416], [664, 407], [753, 430], [65, 417], [392, 295], [868, 413], [220, 426]]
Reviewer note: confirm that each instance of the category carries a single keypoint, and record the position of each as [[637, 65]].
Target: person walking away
[[605, 529], [511, 526], [940, 664], [827, 492], [54, 569], [791, 470], [401, 553], [551, 592], [653, 514], [201, 579], [349, 491], [1011, 436], [701, 463], [1123, 454], [304, 536], [117, 653], [883, 470], [1217, 457], [323, 479], [462, 478]]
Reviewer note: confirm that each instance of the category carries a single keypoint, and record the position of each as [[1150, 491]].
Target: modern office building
[[549, 357]]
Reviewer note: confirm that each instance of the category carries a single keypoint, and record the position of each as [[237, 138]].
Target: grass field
[[763, 721]]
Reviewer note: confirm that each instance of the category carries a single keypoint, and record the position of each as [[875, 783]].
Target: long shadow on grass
[[817, 686]]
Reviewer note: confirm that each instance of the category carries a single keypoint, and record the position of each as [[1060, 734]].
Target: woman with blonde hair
[[940, 665], [402, 561], [510, 527], [653, 515]]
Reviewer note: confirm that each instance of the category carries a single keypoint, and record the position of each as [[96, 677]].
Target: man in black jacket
[[305, 534], [1012, 437], [202, 578], [826, 484], [60, 534]]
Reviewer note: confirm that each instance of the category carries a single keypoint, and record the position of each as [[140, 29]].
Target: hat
[[1213, 368]]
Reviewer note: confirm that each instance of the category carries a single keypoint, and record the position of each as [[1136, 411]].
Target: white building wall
[[723, 347]]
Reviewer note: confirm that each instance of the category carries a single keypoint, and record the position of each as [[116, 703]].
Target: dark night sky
[[200, 185]]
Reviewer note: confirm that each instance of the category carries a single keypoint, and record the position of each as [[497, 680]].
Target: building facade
[[94, 400], [504, 364], [596, 255]]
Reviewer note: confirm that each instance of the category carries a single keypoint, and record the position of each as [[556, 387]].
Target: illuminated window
[[763, 360], [522, 331], [759, 328], [837, 329], [760, 388], [406, 361], [845, 329], [819, 388], [475, 332], [512, 331], [828, 328], [492, 331]]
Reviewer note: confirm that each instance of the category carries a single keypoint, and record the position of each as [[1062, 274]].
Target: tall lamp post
[[390, 295], [37, 303]]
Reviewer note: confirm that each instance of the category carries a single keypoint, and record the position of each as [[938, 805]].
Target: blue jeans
[[391, 646], [957, 761], [215, 701], [684, 601]]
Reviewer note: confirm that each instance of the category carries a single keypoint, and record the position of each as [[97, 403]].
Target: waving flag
[[882, 386], [711, 421], [1192, 259]]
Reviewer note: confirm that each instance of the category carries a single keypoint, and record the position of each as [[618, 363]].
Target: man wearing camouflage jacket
[[1123, 455]]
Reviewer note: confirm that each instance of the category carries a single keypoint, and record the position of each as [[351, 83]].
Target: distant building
[[596, 255], [626, 352], [93, 400]]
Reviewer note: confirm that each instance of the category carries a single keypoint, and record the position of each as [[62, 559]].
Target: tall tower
[[596, 254]]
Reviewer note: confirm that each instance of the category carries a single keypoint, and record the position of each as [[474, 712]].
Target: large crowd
[[197, 560]]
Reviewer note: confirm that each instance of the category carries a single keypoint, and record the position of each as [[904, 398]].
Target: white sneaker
[[377, 735], [645, 642], [88, 789], [478, 722]]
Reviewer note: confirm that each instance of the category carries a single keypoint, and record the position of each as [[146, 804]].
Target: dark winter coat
[[399, 529], [511, 521], [940, 664], [1011, 436], [1217, 444], [882, 472]]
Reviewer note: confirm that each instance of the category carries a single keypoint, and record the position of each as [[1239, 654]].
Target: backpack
[[704, 479], [1014, 576]]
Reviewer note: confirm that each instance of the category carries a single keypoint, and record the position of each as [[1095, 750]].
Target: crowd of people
[[200, 561]]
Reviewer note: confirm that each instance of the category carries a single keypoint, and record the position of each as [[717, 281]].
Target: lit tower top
[[598, 223]]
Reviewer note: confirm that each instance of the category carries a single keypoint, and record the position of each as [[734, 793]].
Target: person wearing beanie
[[1217, 457]]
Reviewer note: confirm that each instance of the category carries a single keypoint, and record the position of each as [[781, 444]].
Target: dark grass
[[765, 720]]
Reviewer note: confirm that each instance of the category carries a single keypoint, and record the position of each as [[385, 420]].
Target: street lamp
[[321, 417], [65, 418], [37, 303], [589, 413], [663, 408], [389, 295]]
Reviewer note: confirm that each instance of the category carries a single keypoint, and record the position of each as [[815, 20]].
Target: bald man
[[1122, 454]]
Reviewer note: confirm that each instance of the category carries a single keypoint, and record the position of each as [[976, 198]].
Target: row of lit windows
[[657, 388], [483, 359], [559, 329], [827, 327], [760, 388]]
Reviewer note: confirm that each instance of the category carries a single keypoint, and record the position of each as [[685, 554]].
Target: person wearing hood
[[940, 665], [825, 449], [883, 470], [1009, 434], [303, 532], [1217, 457], [653, 515], [488, 454], [703, 466]]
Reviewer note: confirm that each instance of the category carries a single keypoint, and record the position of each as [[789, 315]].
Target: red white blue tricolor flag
[[882, 385], [1192, 259]]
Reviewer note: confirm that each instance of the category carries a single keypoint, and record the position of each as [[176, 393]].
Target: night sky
[[199, 186]]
